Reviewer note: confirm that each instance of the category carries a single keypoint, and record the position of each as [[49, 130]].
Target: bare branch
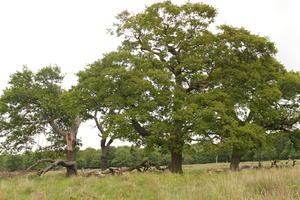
[[38, 162], [144, 166], [67, 164]]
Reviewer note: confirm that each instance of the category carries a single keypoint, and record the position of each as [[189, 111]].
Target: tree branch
[[75, 125], [99, 126], [103, 141], [201, 84], [172, 50], [109, 142], [63, 163], [67, 164], [138, 37], [141, 130], [38, 162], [56, 129]]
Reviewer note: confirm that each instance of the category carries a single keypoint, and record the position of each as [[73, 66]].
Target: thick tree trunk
[[104, 157], [176, 162], [236, 156], [70, 136], [104, 152], [234, 163], [71, 154], [72, 170], [104, 146]]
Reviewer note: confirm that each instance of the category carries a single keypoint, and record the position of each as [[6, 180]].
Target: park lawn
[[195, 184]]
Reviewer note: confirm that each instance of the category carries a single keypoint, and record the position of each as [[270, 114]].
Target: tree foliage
[[34, 104], [173, 81]]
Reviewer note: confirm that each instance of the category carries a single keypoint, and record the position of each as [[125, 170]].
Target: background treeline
[[282, 149]]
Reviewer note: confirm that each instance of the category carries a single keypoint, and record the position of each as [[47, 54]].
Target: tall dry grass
[[195, 184]]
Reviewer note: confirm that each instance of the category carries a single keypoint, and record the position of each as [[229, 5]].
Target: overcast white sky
[[72, 33]]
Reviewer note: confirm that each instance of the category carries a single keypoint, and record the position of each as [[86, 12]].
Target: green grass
[[195, 184]]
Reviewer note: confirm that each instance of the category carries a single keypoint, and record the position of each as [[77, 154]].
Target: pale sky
[[72, 34]]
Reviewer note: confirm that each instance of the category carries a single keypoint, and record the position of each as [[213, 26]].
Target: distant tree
[[13, 162], [88, 158], [123, 157], [35, 103]]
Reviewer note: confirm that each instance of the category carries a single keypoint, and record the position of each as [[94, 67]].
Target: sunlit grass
[[195, 184]]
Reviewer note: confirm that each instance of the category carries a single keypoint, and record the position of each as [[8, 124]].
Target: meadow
[[195, 184]]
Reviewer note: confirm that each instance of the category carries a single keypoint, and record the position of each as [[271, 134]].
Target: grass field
[[195, 184]]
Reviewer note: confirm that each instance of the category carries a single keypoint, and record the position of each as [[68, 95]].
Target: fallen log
[[38, 162], [142, 167], [217, 170], [274, 164], [54, 163]]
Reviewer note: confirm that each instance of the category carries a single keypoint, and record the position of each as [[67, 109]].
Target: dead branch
[[38, 162], [217, 170], [274, 164], [144, 166], [67, 164], [54, 163]]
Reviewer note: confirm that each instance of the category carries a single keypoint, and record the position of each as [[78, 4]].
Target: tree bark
[[144, 166], [176, 162], [104, 146], [236, 156], [235, 161], [104, 159], [55, 163], [70, 136], [71, 154], [104, 152]]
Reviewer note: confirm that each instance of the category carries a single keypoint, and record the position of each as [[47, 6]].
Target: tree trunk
[[104, 152], [236, 156], [104, 159], [71, 154], [235, 161], [176, 162], [70, 136]]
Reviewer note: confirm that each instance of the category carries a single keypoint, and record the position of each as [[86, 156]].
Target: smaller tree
[[35, 103], [96, 107]]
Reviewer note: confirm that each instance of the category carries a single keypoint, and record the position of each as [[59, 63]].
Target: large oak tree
[[176, 80]]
